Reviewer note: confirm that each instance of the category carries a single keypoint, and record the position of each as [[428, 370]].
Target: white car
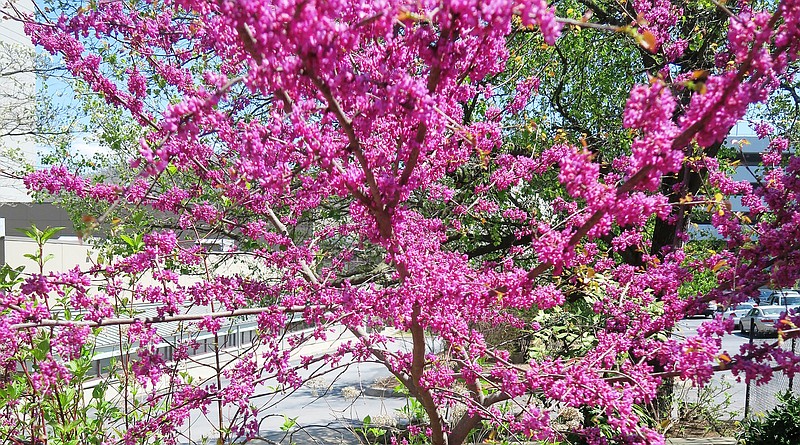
[[784, 297], [737, 312], [762, 319]]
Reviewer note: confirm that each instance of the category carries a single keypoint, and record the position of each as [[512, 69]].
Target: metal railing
[[761, 398]]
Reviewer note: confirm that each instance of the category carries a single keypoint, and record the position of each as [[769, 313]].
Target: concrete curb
[[376, 391]]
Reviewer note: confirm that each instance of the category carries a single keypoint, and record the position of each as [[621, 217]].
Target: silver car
[[762, 319], [737, 312]]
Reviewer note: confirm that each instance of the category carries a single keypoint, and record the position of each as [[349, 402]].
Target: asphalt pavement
[[327, 409], [723, 383], [324, 410]]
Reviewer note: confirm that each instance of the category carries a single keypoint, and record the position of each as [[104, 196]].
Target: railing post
[[791, 379]]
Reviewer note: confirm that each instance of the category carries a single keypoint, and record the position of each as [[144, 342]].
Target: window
[[166, 353], [103, 366], [92, 371], [247, 337], [777, 311]]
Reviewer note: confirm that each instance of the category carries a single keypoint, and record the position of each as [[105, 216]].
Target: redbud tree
[[329, 139]]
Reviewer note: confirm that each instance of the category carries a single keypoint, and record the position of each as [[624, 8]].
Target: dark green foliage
[[780, 426]]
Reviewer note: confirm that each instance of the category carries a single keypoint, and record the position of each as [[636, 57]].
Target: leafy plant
[[705, 408], [288, 423], [40, 237], [780, 425], [371, 432]]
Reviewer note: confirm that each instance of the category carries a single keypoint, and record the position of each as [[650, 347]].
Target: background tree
[[27, 120]]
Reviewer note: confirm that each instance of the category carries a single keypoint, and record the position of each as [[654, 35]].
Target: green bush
[[780, 426]]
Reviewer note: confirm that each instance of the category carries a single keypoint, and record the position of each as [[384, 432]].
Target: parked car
[[763, 295], [762, 318], [738, 311], [784, 297], [710, 310]]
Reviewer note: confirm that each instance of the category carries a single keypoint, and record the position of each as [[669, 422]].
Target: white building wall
[[66, 254]]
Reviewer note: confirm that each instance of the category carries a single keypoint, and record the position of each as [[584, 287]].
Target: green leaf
[[50, 232], [135, 243], [99, 392], [288, 423], [10, 277], [32, 233], [40, 236], [128, 240], [42, 349]]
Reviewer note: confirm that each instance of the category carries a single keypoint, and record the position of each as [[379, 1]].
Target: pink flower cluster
[[328, 140]]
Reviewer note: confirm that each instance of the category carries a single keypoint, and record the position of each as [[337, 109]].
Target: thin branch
[[582, 24], [433, 82], [354, 144]]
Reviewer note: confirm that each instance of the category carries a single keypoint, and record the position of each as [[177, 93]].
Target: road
[[325, 409], [322, 410], [723, 382]]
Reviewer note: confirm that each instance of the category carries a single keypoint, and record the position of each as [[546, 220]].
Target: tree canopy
[[436, 167]]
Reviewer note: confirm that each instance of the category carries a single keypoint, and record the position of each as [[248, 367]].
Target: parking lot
[[761, 397]]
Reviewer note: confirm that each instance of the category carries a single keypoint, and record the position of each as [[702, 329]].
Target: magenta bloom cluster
[[323, 135]]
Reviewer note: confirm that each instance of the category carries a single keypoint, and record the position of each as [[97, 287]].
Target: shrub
[[780, 426]]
